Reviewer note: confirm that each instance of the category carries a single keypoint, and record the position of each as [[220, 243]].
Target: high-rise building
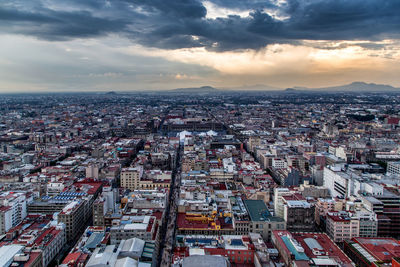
[[5, 219], [74, 217]]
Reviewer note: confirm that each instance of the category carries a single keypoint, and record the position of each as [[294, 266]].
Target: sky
[[122, 45]]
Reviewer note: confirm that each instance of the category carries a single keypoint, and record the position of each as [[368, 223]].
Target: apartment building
[[341, 227]]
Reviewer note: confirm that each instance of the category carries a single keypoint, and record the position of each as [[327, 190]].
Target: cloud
[[57, 25], [27, 63], [172, 24], [214, 11], [183, 76]]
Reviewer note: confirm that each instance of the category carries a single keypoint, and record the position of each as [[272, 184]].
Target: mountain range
[[352, 87]]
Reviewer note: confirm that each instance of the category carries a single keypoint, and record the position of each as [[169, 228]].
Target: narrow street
[[168, 229]]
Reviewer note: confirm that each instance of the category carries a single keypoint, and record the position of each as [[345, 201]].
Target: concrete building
[[92, 171], [322, 207], [50, 243], [143, 227], [340, 226], [5, 219], [287, 176], [393, 168], [386, 207], [317, 174], [337, 181], [74, 215], [345, 183], [146, 199], [41, 238], [253, 142], [368, 223], [278, 200], [299, 215], [313, 191], [130, 177], [99, 210], [294, 209], [279, 163], [17, 208], [261, 220], [46, 207]]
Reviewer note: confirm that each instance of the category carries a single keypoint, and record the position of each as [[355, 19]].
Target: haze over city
[[49, 45], [199, 133]]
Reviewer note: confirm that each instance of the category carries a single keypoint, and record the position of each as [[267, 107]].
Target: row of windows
[[239, 259], [238, 252]]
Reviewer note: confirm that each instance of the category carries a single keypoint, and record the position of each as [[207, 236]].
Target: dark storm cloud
[[183, 23], [176, 9], [57, 25], [244, 4]]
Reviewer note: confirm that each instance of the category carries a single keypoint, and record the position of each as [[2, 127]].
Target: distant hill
[[210, 89], [203, 89], [352, 87], [357, 87], [111, 93], [254, 87]]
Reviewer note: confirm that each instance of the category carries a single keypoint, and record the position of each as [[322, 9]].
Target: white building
[[393, 168], [278, 200], [279, 163], [17, 203], [346, 183], [368, 223], [7, 254], [340, 226], [229, 165]]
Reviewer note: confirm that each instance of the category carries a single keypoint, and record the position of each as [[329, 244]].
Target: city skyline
[[154, 45]]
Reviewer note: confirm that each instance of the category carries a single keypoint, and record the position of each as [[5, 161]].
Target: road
[[168, 228]]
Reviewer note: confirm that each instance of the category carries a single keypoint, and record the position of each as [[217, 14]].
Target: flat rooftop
[[381, 249], [313, 246], [257, 210], [320, 241]]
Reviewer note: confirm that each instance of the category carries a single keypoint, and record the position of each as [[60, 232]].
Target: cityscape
[[199, 133], [216, 178]]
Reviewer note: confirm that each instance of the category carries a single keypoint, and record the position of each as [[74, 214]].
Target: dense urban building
[[223, 179]]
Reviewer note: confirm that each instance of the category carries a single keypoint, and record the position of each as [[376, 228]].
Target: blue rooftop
[[236, 242], [299, 256], [199, 240]]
